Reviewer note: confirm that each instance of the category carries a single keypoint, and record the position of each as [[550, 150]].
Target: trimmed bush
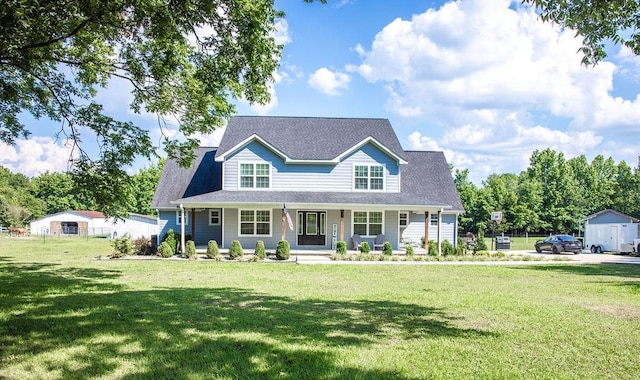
[[142, 246], [364, 247], [409, 250], [164, 250], [341, 247], [433, 248], [283, 251], [235, 250], [387, 249], [190, 250], [171, 238], [212, 249], [447, 248], [122, 246], [260, 251]]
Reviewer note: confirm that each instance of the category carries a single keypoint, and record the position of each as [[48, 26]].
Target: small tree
[[190, 250], [283, 250], [387, 249], [164, 250], [260, 251], [122, 246], [364, 247], [212, 249], [235, 250], [341, 247], [481, 244], [170, 238]]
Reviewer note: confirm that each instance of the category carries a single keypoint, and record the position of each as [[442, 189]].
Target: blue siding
[[203, 231], [311, 177]]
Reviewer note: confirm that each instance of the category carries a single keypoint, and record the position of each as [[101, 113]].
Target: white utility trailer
[[611, 237]]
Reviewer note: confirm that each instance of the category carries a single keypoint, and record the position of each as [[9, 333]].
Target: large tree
[[597, 21], [185, 61]]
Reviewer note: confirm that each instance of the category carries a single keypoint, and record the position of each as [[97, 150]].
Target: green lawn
[[65, 315]]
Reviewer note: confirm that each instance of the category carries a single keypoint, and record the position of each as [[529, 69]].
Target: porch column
[[182, 228], [426, 230], [439, 232], [341, 225], [193, 224]]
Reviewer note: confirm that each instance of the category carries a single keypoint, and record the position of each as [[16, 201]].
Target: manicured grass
[[65, 315], [518, 243]]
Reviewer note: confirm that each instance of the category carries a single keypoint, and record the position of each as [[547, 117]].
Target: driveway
[[586, 257]]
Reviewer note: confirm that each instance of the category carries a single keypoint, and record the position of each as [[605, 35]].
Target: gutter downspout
[[182, 223], [440, 232]]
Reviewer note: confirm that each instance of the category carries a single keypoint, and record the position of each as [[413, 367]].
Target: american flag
[[285, 214]]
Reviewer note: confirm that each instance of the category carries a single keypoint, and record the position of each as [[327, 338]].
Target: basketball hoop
[[496, 216]]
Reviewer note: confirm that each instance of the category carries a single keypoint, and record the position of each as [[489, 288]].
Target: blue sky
[[485, 81]]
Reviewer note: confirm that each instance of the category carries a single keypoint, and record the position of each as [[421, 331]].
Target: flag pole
[[284, 231]]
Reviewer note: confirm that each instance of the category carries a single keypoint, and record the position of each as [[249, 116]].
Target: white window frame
[[433, 219], [369, 178], [368, 234], [254, 175], [186, 217], [217, 211], [255, 222]]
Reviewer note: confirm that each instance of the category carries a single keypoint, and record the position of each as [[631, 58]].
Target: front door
[[312, 228]]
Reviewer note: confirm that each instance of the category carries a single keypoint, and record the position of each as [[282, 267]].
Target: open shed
[[610, 230], [94, 223]]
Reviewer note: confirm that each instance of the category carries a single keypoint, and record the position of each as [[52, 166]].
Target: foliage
[[190, 250], [387, 249], [447, 248], [235, 250], [482, 244], [364, 247], [142, 246], [409, 250], [283, 250], [460, 249], [433, 248], [212, 249], [165, 250], [597, 22], [341, 247], [260, 252], [184, 60], [171, 238], [122, 246]]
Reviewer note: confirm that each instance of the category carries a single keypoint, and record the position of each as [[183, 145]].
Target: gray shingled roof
[[309, 138], [204, 176]]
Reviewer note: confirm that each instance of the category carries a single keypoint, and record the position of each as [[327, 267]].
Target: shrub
[[164, 250], [461, 249], [122, 246], [482, 245], [212, 249], [364, 247], [235, 250], [387, 249], [422, 242], [433, 248], [447, 248], [283, 250], [142, 246], [190, 250], [171, 239], [260, 252], [409, 250], [341, 247]]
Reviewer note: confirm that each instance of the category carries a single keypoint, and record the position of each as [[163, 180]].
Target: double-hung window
[[433, 219], [255, 175], [179, 219], [368, 177], [367, 223], [255, 222], [214, 217]]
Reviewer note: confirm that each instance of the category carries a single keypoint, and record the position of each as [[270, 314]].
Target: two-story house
[[312, 181]]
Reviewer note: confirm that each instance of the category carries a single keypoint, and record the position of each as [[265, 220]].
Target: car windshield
[[566, 238]]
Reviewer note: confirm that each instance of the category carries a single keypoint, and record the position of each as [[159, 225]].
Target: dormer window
[[255, 176], [368, 177]]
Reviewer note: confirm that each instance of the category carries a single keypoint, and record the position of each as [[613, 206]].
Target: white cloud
[[35, 156], [329, 82], [281, 34]]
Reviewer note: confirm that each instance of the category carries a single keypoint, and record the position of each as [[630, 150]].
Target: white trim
[[289, 160], [368, 235], [219, 211], [255, 222], [179, 220], [255, 176]]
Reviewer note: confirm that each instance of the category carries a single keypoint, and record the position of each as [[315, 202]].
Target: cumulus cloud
[[329, 82], [35, 156]]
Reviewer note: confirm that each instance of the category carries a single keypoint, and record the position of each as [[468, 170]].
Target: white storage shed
[[94, 223], [611, 231]]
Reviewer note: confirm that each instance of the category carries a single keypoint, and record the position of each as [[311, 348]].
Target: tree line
[[24, 199], [552, 195]]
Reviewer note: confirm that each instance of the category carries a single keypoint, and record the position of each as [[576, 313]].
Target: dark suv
[[559, 243]]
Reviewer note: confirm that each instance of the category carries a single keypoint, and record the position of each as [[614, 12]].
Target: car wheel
[[594, 249], [638, 250], [539, 250], [555, 250]]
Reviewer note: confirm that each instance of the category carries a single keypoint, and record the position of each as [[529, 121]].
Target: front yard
[[64, 314]]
